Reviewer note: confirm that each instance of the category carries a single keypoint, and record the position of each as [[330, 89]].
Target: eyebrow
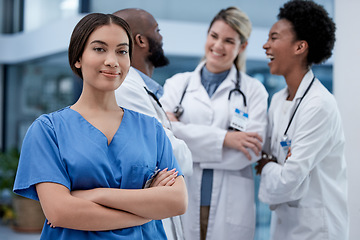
[[104, 43], [228, 38]]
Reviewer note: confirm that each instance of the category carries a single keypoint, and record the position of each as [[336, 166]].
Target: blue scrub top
[[63, 147]]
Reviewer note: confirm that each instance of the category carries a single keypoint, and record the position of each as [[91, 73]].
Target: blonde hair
[[240, 22]]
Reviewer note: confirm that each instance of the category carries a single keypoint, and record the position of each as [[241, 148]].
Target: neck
[[97, 101], [293, 82], [142, 65], [214, 69]]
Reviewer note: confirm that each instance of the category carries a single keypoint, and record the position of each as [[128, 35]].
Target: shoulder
[[180, 77], [140, 118], [321, 99], [49, 119], [143, 124], [254, 84]]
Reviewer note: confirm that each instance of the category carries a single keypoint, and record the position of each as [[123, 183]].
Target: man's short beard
[[157, 57]]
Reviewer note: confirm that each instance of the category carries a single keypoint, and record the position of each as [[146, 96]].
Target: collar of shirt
[[211, 81], [152, 85]]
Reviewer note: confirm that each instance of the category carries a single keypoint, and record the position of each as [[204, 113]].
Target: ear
[[78, 64], [301, 47], [243, 47], [140, 40]]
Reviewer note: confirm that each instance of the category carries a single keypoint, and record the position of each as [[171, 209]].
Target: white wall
[[54, 38], [347, 93]]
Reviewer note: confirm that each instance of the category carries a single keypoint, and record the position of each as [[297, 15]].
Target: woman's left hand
[[165, 178]]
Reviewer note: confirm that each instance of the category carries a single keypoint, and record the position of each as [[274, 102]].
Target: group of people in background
[[176, 162]]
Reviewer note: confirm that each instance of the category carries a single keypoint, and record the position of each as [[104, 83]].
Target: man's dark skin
[[147, 53]]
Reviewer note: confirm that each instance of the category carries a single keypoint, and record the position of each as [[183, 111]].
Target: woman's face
[[222, 46], [105, 61], [281, 47]]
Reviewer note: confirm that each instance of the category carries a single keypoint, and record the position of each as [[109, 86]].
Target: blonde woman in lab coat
[[306, 187], [223, 123]]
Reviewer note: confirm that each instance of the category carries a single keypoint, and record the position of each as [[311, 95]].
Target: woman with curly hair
[[303, 169]]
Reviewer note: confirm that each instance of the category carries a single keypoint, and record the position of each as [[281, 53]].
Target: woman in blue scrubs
[[88, 163]]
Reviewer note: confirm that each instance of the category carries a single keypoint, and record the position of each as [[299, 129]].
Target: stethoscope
[[285, 138], [179, 109], [151, 94]]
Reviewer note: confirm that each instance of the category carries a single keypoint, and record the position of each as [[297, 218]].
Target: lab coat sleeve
[[205, 142], [181, 152], [311, 143], [257, 97]]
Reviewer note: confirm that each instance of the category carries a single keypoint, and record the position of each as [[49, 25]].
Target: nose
[[218, 44], [111, 60], [266, 45]]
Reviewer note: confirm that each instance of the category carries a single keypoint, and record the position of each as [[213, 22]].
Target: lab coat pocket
[[240, 208], [302, 223]]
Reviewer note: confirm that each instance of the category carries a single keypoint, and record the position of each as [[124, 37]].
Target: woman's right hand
[[241, 141], [165, 178]]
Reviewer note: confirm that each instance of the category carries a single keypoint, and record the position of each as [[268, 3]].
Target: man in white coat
[[140, 93]]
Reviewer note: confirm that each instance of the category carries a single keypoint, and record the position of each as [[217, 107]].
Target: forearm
[[64, 210], [204, 142], [154, 203]]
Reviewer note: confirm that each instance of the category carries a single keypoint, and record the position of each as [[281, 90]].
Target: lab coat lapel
[[197, 89], [305, 82], [227, 84]]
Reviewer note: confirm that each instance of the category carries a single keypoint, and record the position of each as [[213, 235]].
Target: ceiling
[[261, 12]]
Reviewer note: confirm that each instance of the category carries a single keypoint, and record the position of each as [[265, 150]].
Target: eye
[[213, 36], [230, 41], [123, 52], [98, 49]]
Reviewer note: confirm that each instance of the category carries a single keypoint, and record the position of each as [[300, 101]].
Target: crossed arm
[[104, 209]]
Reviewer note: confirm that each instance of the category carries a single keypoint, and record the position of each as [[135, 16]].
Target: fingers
[[159, 177], [246, 152], [243, 141], [169, 180], [49, 223], [253, 142], [255, 135], [165, 178], [172, 117]]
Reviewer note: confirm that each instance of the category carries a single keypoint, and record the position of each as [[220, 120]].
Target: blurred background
[[35, 76]]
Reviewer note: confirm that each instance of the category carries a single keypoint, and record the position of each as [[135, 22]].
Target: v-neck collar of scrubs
[[98, 131]]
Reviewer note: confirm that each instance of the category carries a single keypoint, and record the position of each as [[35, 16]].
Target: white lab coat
[[308, 191], [132, 95], [203, 127]]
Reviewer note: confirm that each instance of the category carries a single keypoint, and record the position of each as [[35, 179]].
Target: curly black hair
[[311, 23]]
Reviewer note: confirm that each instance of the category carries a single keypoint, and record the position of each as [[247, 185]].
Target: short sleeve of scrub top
[[62, 147]]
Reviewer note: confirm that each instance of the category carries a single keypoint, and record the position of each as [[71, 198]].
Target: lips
[[217, 54], [270, 57], [110, 73]]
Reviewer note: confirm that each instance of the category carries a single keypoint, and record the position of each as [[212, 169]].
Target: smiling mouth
[[110, 73], [217, 54], [270, 57]]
